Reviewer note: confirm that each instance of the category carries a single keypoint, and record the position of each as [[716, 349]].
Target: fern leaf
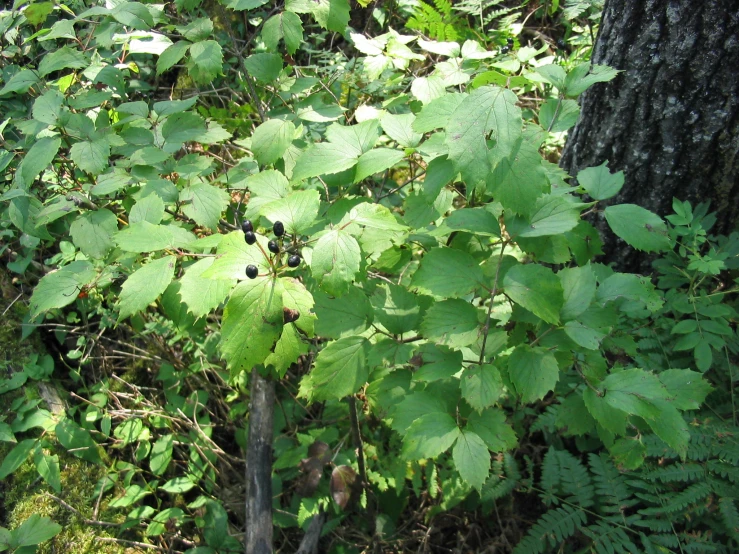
[[730, 517], [609, 539], [563, 473], [610, 485], [677, 472], [553, 527]]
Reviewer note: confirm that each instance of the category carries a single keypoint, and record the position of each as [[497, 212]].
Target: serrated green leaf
[[15, 458], [396, 308], [487, 111], [205, 62], [600, 183], [640, 228], [330, 14], [533, 371], [374, 216], [161, 454], [578, 288], [288, 349], [33, 531], [481, 386], [150, 208], [477, 221], [178, 485], [38, 158], [172, 55], [399, 128], [491, 426], [687, 388], [271, 139], [375, 161], [202, 295], [584, 335], [263, 67], [584, 76], [453, 322], [183, 127], [145, 237], [204, 204], [634, 391], [298, 211], [324, 158], [437, 113], [145, 285], [447, 272], [296, 297], [340, 370], [437, 362], [335, 261], [670, 426], [519, 178], [20, 82], [286, 25], [349, 314], [472, 459], [252, 323], [48, 106], [63, 58], [429, 435], [537, 289], [551, 215], [60, 288], [412, 407], [234, 255], [92, 232], [91, 156]]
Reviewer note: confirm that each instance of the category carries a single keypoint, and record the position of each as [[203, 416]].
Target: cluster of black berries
[[273, 245]]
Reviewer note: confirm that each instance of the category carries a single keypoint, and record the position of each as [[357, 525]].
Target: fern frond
[[563, 473], [444, 7], [691, 496], [677, 472], [727, 471], [609, 539], [729, 517], [655, 525], [553, 527], [497, 486], [610, 485]]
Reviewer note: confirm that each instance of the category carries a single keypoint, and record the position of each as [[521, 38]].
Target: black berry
[[246, 226], [251, 271], [293, 261], [250, 237], [273, 246], [279, 229]]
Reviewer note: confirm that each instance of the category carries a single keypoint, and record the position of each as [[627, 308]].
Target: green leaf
[[374, 216], [429, 435], [551, 215], [670, 426], [472, 459], [296, 297], [533, 371], [330, 14], [183, 127], [399, 128], [583, 335], [205, 62], [447, 272], [537, 289], [234, 255], [490, 425], [171, 55], [703, 355], [240, 5], [578, 287], [396, 308], [612, 419], [375, 161], [349, 314], [133, 14], [77, 440], [634, 391], [48, 467], [264, 67], [178, 485], [202, 295], [252, 323], [90, 156], [298, 211], [628, 452], [584, 76], [145, 237], [453, 322], [34, 530], [6, 433], [285, 25], [288, 349], [340, 370], [21, 82], [161, 454], [145, 285], [437, 113], [640, 228], [38, 158], [63, 58], [204, 204], [487, 111], [437, 362], [324, 158], [15, 458], [215, 529], [92, 232], [477, 221], [150, 208], [129, 431], [600, 183], [60, 288], [335, 261], [270, 140], [481, 386], [48, 106], [160, 522], [412, 407], [519, 178]]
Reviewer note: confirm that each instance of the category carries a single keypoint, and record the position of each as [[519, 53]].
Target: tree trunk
[[670, 121], [259, 466]]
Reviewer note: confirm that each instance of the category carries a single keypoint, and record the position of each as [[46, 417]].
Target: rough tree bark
[[259, 466], [670, 121]]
